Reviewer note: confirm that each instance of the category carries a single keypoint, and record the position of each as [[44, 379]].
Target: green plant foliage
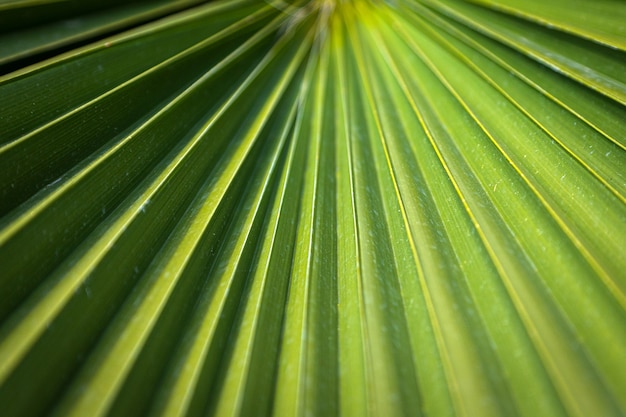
[[77, 21], [355, 208]]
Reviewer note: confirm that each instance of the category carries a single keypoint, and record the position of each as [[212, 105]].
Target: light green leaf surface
[[356, 208], [600, 21]]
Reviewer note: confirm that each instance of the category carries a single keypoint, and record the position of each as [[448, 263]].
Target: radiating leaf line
[[17, 338], [316, 207], [293, 395], [457, 97], [497, 257], [217, 37], [432, 273], [502, 394], [236, 382], [609, 175], [229, 60], [389, 60], [597, 68], [238, 26], [31, 41], [40, 208], [353, 372], [163, 26], [601, 113], [73, 70], [396, 226], [372, 342], [603, 24], [13, 167], [121, 348], [556, 212], [187, 384]]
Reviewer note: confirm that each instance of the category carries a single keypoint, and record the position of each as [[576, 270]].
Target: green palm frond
[[410, 207]]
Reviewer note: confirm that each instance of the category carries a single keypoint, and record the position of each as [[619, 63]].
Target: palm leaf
[[321, 208]]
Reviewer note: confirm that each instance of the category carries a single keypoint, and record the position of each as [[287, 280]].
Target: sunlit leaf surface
[[355, 208]]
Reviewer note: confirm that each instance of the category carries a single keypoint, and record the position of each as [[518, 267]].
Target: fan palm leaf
[[409, 207]]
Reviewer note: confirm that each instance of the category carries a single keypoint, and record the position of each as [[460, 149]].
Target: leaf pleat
[[357, 208]]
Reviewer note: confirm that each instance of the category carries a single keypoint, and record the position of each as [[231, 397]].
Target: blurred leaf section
[[30, 29], [355, 208]]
